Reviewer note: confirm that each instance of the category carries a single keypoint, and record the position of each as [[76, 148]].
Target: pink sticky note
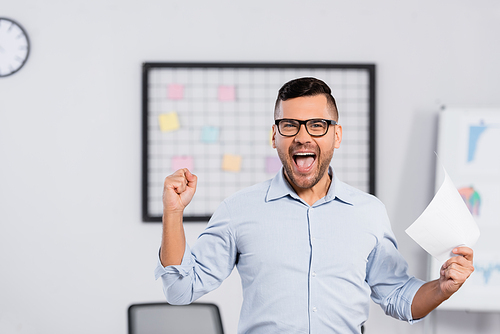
[[227, 93], [179, 162], [175, 91], [273, 164]]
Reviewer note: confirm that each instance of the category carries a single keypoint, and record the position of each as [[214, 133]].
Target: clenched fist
[[178, 190]]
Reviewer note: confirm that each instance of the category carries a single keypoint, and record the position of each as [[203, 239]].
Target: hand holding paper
[[445, 224], [454, 272]]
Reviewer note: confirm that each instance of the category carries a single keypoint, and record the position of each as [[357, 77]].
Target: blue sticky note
[[210, 134]]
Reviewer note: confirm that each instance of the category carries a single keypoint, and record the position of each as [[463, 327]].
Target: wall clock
[[14, 47]]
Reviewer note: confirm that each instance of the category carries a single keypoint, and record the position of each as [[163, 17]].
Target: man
[[310, 249]]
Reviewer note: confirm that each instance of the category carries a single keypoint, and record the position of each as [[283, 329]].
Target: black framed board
[[216, 119]]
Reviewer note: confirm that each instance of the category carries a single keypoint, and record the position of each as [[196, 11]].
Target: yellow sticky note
[[168, 122], [271, 138], [231, 163]]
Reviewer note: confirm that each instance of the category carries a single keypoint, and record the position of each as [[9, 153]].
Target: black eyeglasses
[[315, 127]]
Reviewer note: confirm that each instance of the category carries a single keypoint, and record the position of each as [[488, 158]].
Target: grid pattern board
[[216, 119]]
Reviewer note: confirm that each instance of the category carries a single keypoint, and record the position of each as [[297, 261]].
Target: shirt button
[[314, 309], [313, 274]]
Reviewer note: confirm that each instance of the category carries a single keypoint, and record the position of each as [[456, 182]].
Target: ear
[[338, 135], [273, 136]]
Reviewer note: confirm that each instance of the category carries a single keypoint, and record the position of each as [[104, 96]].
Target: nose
[[302, 136]]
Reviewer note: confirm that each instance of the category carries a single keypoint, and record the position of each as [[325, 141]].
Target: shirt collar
[[338, 190]]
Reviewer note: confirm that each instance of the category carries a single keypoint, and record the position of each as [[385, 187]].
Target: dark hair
[[305, 87]]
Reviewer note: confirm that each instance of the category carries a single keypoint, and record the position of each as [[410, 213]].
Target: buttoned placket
[[313, 309]]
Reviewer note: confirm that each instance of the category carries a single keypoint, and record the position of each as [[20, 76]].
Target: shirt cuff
[[183, 269], [413, 286]]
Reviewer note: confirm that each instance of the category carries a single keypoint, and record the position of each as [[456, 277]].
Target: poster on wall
[[469, 148]]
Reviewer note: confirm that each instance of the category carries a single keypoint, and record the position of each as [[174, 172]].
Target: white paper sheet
[[445, 224]]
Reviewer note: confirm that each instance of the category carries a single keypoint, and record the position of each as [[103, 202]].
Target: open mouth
[[304, 160]]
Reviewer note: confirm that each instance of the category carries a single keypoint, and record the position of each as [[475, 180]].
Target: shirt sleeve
[[387, 274], [204, 266]]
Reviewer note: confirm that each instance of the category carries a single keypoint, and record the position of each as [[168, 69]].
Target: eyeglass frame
[[328, 121]]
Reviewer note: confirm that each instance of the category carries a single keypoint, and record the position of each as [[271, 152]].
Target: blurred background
[[74, 252]]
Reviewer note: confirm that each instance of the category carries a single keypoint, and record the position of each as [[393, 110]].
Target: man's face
[[306, 158]]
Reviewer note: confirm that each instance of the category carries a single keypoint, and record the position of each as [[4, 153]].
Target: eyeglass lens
[[315, 127]]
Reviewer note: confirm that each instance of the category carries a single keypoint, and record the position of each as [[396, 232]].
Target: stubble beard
[[305, 182]]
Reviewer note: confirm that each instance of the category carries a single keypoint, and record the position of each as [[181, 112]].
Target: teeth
[[304, 154]]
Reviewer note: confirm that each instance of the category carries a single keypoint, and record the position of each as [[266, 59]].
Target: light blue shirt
[[304, 269]]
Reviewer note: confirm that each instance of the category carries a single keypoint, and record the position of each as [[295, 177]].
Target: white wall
[[73, 250]]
